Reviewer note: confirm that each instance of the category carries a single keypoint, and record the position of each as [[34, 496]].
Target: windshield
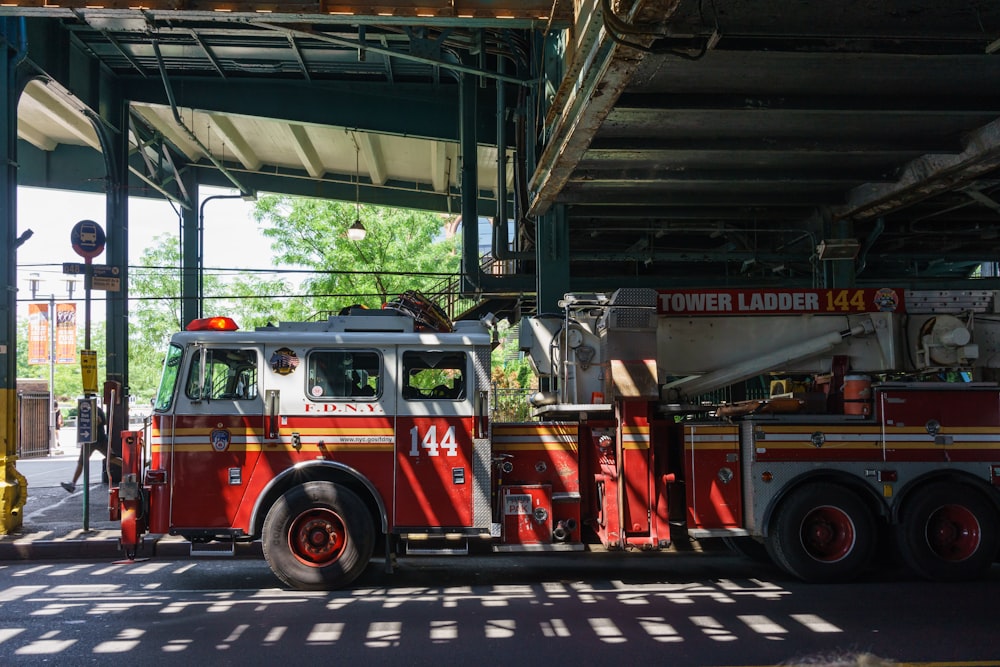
[[168, 381], [230, 373]]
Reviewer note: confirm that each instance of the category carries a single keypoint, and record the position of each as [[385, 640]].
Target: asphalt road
[[588, 609], [585, 609]]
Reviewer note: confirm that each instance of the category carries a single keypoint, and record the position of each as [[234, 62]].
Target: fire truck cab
[[316, 436]]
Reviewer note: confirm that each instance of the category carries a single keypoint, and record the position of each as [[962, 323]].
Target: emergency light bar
[[212, 324]]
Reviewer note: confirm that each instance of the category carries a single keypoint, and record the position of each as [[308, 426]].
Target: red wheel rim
[[317, 537], [953, 532], [827, 534]]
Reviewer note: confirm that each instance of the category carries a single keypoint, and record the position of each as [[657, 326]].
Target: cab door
[[434, 443], [217, 433]]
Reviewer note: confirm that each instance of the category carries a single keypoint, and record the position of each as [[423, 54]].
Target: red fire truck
[[327, 441]]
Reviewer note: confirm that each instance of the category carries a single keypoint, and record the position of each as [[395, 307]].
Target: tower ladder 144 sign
[[773, 302]]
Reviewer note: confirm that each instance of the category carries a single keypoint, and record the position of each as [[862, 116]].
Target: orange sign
[[65, 333], [39, 328], [38, 333]]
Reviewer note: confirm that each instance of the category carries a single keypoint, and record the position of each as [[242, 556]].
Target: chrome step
[[428, 551], [213, 549]]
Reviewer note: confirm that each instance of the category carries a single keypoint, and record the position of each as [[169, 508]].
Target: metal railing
[[33, 424], [448, 293], [510, 405]]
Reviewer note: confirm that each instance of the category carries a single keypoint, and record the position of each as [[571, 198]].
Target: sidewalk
[[52, 525]]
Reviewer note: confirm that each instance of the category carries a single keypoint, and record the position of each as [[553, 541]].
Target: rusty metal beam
[[596, 76], [927, 176]]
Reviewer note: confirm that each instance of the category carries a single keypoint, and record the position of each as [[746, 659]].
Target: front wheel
[[318, 536], [822, 532], [948, 532]]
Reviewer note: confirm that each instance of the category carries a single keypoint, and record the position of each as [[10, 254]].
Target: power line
[[323, 272]]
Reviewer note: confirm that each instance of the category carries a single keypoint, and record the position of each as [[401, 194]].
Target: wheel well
[[868, 496], [946, 476], [322, 472]]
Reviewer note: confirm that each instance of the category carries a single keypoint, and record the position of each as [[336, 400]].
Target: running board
[[213, 549], [449, 543], [527, 548], [438, 544], [430, 551]]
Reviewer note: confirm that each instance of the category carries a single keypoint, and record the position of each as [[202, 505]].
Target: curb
[[107, 546]]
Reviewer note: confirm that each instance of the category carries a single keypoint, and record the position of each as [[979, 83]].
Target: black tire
[[748, 547], [822, 533], [318, 536], [948, 532]]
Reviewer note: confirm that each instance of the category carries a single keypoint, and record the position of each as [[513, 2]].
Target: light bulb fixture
[[837, 249], [357, 231]]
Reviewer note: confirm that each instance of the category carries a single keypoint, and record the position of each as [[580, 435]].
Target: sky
[[232, 238]]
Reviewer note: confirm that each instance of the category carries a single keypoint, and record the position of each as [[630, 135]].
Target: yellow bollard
[[13, 485]]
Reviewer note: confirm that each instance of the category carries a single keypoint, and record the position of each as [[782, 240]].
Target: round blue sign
[[88, 239]]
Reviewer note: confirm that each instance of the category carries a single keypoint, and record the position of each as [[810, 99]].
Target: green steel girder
[[431, 111], [53, 53], [82, 169], [76, 168], [392, 194]]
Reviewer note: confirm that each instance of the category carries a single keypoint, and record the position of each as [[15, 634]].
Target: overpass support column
[[191, 253], [552, 259], [112, 129], [469, 150], [13, 485], [842, 272]]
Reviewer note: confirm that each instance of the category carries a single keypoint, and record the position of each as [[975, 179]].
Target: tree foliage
[[155, 312], [155, 292], [403, 249]]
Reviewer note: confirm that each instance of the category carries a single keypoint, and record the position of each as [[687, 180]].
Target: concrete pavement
[[52, 526]]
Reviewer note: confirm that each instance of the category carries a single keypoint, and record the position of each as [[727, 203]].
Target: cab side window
[[340, 374], [434, 375], [230, 374]]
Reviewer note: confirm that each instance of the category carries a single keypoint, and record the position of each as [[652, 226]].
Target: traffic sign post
[[96, 276], [88, 240], [88, 371], [87, 424], [86, 421], [105, 278]]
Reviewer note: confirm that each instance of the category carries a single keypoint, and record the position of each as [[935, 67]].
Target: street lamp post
[[34, 281]]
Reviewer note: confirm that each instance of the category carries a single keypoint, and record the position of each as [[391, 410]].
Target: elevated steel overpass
[[661, 143]]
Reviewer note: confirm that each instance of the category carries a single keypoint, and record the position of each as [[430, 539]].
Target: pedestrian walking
[[101, 445], [59, 423]]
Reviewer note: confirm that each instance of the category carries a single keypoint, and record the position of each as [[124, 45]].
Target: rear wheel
[[948, 532], [318, 536], [822, 532]]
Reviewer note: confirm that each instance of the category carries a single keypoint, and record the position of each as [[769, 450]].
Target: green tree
[[155, 293], [255, 302], [154, 313], [403, 249]]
